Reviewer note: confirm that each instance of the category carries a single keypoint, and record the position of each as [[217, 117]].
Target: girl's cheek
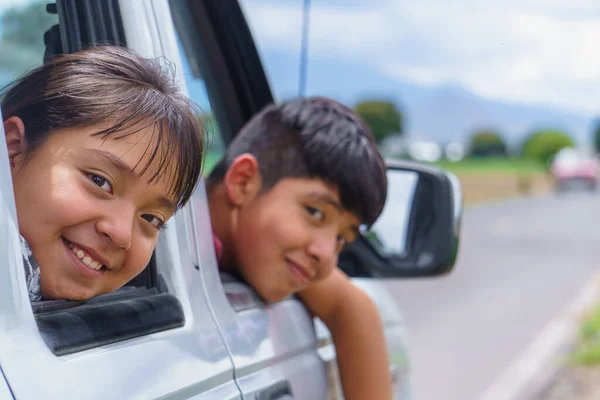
[[141, 252]]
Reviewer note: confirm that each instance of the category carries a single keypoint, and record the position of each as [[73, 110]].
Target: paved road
[[519, 263]]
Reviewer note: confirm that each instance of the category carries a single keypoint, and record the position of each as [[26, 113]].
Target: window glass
[[22, 27], [191, 50], [215, 146], [277, 30]]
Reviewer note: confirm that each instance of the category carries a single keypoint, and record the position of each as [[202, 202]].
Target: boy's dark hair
[[314, 137], [109, 83]]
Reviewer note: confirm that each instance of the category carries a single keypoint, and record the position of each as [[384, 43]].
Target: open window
[[145, 305], [159, 336]]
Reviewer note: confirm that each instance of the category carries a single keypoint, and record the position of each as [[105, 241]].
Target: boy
[[292, 189]]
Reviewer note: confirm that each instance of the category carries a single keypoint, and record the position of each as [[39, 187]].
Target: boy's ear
[[15, 139], [242, 180]]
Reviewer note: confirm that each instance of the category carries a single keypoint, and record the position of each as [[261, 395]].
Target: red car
[[572, 168]]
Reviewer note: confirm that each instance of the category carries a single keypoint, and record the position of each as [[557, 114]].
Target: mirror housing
[[417, 233]]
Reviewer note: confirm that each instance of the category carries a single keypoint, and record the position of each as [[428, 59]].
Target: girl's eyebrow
[[165, 202], [112, 160]]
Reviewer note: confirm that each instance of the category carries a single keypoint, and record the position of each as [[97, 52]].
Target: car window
[[196, 86], [332, 49], [29, 31], [22, 28], [277, 31], [306, 47]]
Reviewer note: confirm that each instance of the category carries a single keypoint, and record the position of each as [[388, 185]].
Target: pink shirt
[[218, 248]]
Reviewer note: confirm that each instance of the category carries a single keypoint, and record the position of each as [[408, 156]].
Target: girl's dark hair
[[314, 137], [109, 83]]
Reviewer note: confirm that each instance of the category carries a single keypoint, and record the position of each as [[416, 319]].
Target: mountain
[[452, 113], [443, 113]]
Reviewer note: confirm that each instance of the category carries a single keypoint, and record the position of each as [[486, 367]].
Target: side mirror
[[417, 234]]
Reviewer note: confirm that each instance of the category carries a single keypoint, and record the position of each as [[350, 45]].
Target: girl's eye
[[315, 213], [101, 182], [154, 221]]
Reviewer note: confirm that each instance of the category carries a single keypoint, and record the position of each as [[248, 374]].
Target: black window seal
[[107, 319], [233, 73]]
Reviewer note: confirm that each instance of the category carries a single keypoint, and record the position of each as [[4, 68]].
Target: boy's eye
[[154, 221], [101, 182], [341, 243], [315, 213]]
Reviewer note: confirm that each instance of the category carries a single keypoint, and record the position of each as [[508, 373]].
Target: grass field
[[468, 166], [517, 166], [587, 350]]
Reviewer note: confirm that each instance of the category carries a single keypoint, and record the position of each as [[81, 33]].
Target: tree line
[[384, 119]]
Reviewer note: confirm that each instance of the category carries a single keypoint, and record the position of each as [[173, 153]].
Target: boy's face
[[290, 236], [90, 219]]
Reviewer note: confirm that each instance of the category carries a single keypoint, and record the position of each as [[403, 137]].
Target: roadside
[[563, 361], [579, 377], [580, 383], [484, 180], [484, 187]]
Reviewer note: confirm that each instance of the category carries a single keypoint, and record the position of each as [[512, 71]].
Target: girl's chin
[[67, 294]]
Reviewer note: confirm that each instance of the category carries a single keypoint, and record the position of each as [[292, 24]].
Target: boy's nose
[[323, 251], [117, 228]]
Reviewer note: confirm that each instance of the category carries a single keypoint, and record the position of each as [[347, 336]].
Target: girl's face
[[90, 218]]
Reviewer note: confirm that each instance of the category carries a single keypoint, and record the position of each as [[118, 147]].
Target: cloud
[[540, 51]]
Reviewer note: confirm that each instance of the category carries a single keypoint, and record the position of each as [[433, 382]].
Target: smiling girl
[[103, 150]]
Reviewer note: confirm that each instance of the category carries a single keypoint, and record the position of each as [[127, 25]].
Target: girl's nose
[[117, 228]]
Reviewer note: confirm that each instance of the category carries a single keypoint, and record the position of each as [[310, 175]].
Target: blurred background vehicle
[[575, 169]]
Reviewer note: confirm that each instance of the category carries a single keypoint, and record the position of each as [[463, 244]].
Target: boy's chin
[[274, 296]]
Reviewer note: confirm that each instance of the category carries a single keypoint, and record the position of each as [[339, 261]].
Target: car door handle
[[278, 391]]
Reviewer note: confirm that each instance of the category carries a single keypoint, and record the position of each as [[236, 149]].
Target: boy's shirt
[[218, 249]]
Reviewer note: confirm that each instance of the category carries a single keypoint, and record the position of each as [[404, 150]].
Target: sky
[[534, 51]]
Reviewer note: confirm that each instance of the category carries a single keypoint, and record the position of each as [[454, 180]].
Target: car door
[[273, 347], [5, 393], [166, 343]]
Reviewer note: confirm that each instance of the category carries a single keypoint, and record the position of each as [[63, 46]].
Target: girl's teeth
[[87, 260], [95, 265]]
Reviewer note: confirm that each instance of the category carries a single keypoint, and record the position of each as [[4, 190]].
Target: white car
[[182, 330]]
